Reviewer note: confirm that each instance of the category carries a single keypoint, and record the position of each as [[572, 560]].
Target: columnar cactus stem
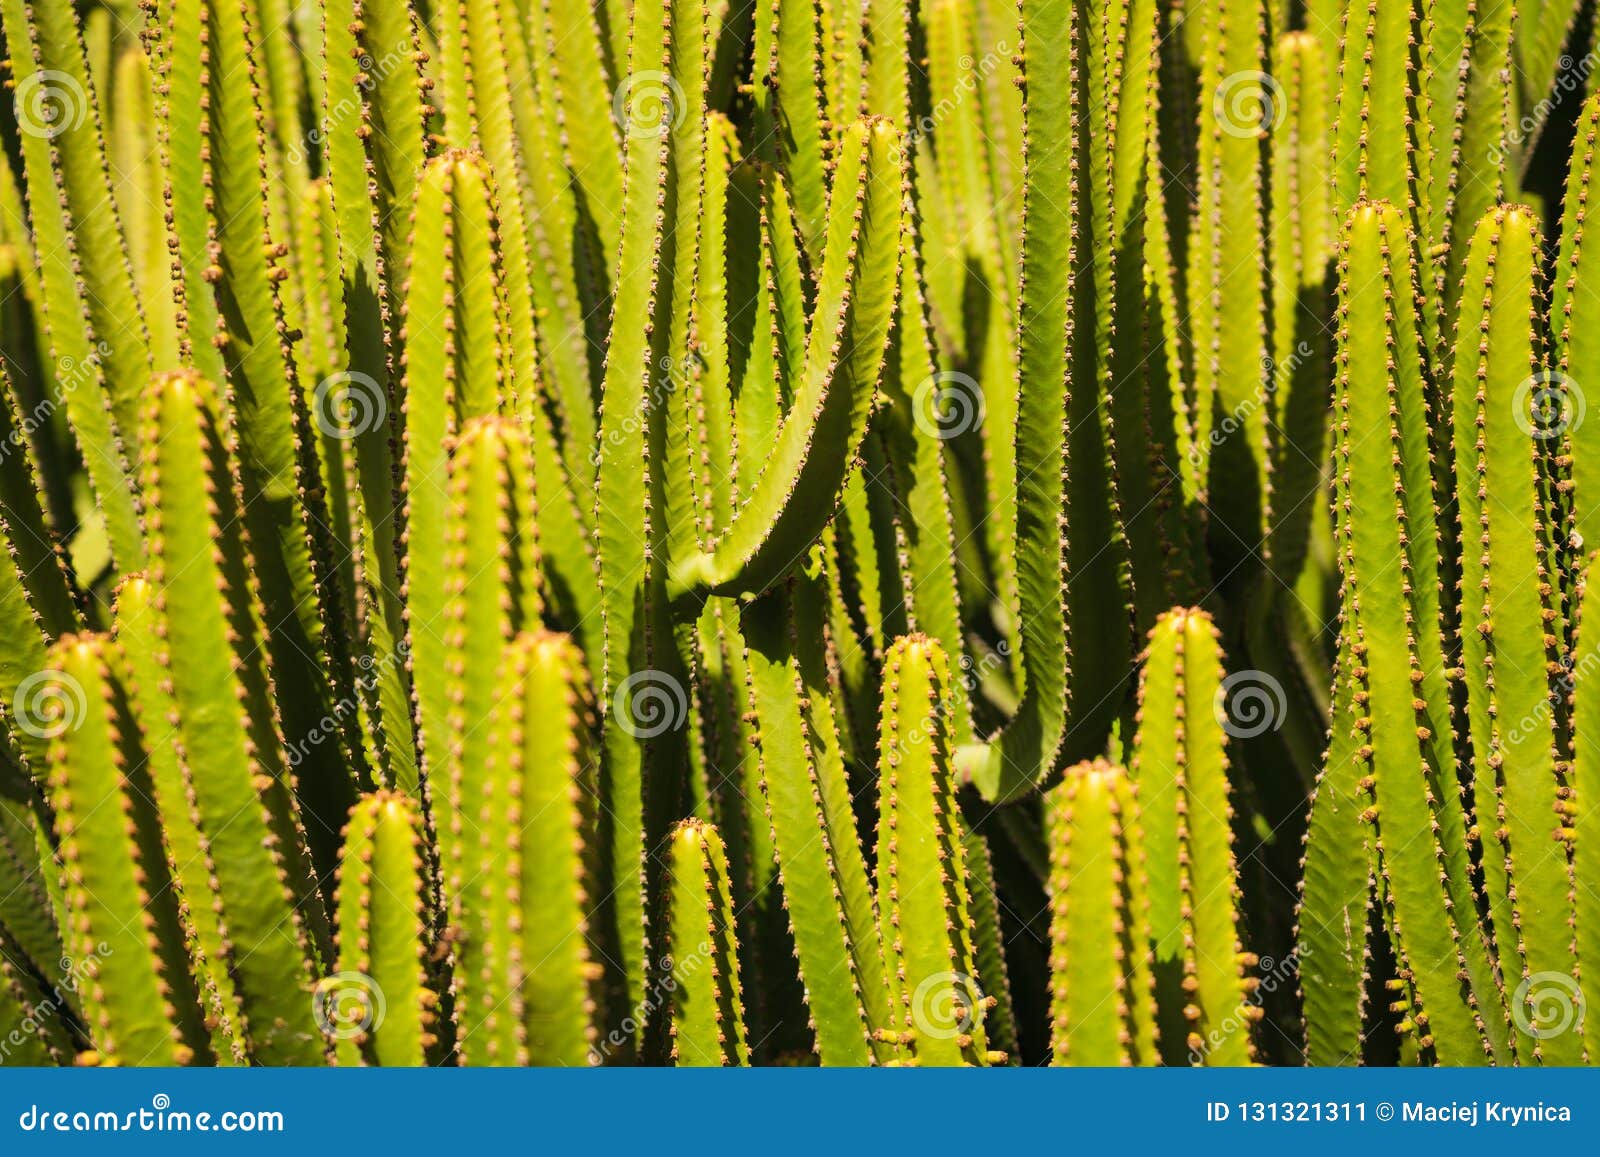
[[212, 630], [383, 940], [1336, 893], [92, 311], [1227, 286], [492, 593], [1027, 748], [642, 372], [1102, 1000], [1180, 766], [1584, 833], [456, 350], [790, 113], [1391, 615], [938, 1006], [139, 637], [707, 1007], [818, 853], [1507, 616], [143, 1005], [373, 144], [282, 498], [1465, 127], [1575, 322], [855, 302], [1302, 245], [547, 719]]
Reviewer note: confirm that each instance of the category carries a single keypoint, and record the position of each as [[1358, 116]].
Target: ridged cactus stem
[[1508, 615], [707, 1007], [143, 1005], [1584, 832], [455, 362], [211, 629], [792, 497], [1391, 614], [1102, 998], [552, 762], [1181, 768], [1026, 750], [924, 897], [139, 636], [383, 940]]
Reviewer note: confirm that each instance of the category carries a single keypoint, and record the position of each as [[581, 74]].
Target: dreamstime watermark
[[948, 404], [670, 972], [1274, 974], [73, 973], [348, 1005], [947, 1006], [665, 381], [1572, 79], [48, 703], [969, 74], [974, 670], [350, 103], [371, 670], [348, 404], [1275, 375], [1249, 703], [1248, 103], [70, 373], [158, 1117], [649, 703], [648, 104], [48, 103], [1565, 683], [1548, 1004], [1548, 404]]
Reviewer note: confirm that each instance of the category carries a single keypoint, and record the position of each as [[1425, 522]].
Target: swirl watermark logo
[[48, 103], [946, 1005], [1248, 104], [649, 703], [1548, 404], [348, 404], [347, 1005], [648, 104], [1548, 1004], [48, 703], [1249, 703], [948, 404]]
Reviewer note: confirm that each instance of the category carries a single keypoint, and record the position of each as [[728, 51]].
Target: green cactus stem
[[1102, 998], [707, 1007], [1508, 629], [379, 1006], [211, 631], [924, 897], [142, 1004], [1181, 768]]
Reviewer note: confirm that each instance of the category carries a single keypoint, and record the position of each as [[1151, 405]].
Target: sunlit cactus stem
[[707, 1008], [379, 1006]]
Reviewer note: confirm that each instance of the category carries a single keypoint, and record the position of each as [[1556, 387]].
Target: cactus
[[1180, 767], [383, 940], [143, 1006], [707, 1010], [1102, 1003], [689, 534]]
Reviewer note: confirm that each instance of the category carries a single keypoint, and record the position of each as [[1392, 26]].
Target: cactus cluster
[[861, 532]]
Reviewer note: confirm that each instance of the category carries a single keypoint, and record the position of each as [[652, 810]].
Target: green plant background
[[730, 532]]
